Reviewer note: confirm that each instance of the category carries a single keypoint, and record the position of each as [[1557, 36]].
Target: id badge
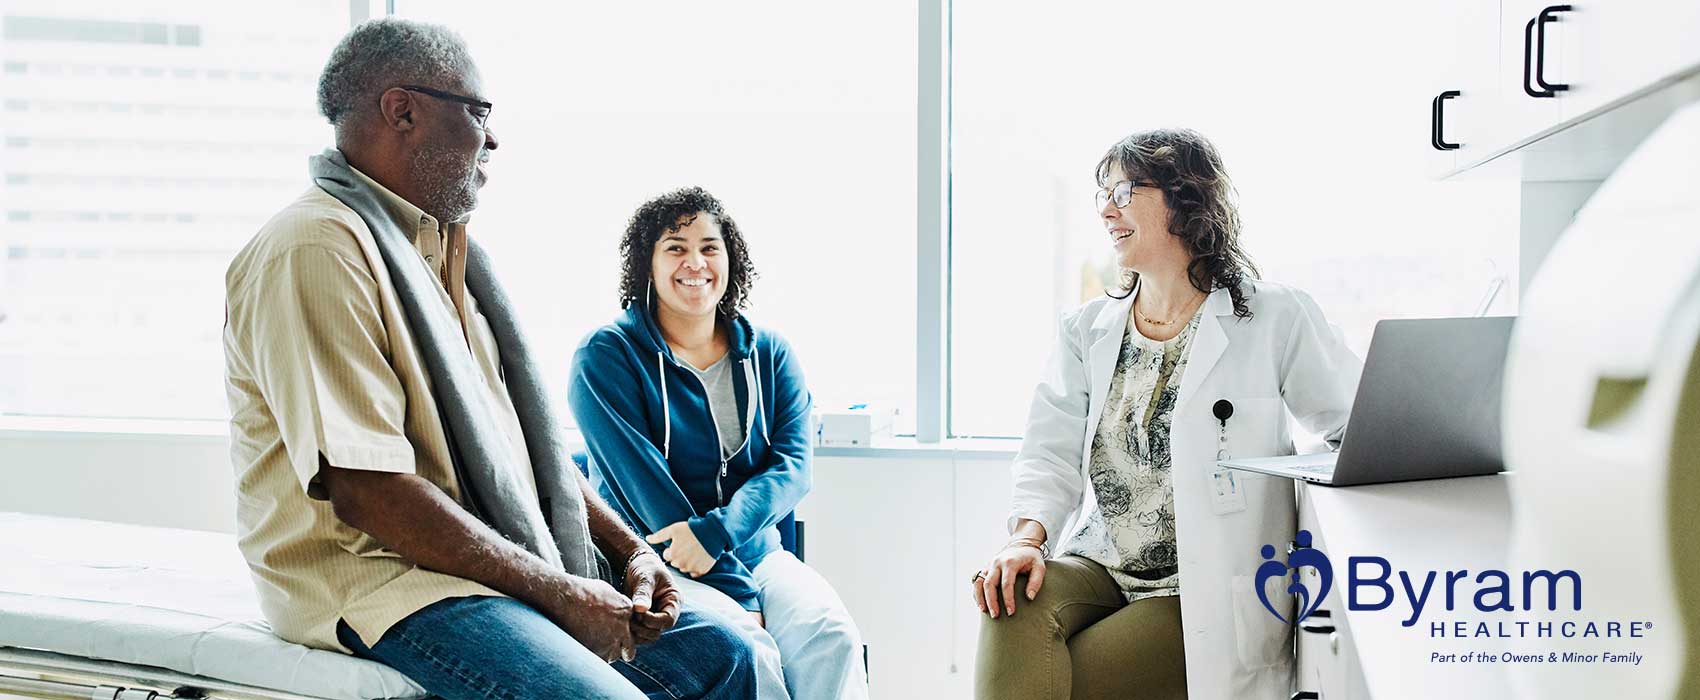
[[1227, 494]]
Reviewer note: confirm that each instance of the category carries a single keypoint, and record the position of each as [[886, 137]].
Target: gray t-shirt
[[723, 403]]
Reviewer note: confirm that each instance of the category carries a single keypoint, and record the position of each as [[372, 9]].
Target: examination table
[[103, 611]]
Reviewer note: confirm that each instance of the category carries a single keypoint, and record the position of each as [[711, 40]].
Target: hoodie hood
[[638, 323]]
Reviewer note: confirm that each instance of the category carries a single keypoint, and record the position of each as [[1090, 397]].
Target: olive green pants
[[1079, 638]]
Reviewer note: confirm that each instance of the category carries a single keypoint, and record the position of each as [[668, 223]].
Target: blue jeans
[[484, 648], [810, 649]]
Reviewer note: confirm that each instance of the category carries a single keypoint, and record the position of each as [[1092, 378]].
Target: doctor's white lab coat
[[1284, 358]]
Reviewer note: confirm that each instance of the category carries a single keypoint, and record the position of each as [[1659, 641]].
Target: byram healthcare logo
[[1301, 556], [1371, 583]]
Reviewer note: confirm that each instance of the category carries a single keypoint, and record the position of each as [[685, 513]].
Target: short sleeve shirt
[[321, 368]]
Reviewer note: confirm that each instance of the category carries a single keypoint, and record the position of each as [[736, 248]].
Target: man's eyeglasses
[[481, 115], [1121, 193]]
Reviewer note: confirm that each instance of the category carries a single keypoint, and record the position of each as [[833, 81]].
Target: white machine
[[1602, 427], [853, 425]]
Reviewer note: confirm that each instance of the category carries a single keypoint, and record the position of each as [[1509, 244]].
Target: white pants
[[810, 649]]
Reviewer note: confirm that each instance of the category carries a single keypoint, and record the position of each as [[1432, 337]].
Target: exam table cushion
[[175, 599]]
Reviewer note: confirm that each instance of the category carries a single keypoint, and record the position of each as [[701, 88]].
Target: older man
[[402, 490]]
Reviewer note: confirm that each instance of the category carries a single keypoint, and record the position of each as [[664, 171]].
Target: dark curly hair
[[663, 213], [1203, 213]]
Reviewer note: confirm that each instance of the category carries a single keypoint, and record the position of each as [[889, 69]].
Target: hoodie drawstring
[[755, 360], [752, 378], [666, 411]]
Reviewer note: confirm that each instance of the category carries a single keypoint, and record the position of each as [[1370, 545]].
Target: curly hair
[[383, 53], [1201, 200], [663, 213]]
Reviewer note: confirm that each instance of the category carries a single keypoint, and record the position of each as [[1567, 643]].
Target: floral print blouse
[[1132, 531]]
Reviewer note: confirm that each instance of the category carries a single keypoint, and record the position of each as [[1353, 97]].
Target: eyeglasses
[[1121, 193], [482, 117]]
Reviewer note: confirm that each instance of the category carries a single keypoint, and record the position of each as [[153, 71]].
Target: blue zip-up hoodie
[[655, 452]]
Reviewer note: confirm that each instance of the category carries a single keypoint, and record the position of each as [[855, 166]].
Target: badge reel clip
[[1225, 493]]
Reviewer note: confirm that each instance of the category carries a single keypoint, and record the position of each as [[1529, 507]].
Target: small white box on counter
[[853, 425]]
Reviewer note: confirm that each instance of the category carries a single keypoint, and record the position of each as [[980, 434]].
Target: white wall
[[167, 480], [897, 536]]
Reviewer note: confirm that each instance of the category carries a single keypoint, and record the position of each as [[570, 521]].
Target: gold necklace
[[1156, 322]]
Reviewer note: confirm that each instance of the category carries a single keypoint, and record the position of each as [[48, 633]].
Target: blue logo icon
[[1303, 555]]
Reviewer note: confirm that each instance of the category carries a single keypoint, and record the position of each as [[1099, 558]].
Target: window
[[1319, 134], [142, 147], [799, 116]]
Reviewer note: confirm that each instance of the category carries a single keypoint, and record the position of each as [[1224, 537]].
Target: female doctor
[[1129, 569]]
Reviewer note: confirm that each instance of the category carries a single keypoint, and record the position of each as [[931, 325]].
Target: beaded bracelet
[[640, 552]]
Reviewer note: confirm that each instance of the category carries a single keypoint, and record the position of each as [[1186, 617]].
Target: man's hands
[[596, 615], [655, 602], [683, 551], [611, 624]]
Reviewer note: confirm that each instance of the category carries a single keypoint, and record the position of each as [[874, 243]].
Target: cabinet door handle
[[1534, 53], [1433, 130], [1307, 695], [1437, 122], [1318, 622]]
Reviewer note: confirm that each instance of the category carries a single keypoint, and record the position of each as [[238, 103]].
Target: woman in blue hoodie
[[697, 425]]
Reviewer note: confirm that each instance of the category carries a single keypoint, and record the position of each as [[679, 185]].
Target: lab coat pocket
[[1255, 429], [1260, 639]]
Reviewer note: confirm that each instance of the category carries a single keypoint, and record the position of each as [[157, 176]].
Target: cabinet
[[1464, 89], [1328, 662], [1433, 525], [1526, 69], [1615, 49]]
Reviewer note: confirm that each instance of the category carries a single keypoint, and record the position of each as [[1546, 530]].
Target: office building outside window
[[143, 144]]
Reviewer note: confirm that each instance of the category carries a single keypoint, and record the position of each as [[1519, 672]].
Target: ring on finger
[[977, 577]]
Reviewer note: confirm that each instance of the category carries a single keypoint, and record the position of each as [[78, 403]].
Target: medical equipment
[[1602, 425], [854, 425]]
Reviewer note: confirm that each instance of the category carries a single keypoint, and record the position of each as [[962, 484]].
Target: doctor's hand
[[683, 551], [998, 578]]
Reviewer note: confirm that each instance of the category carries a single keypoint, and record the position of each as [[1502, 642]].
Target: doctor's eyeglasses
[[1120, 193]]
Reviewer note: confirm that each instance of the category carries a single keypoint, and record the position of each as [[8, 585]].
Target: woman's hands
[[1021, 556], [1014, 560], [683, 551]]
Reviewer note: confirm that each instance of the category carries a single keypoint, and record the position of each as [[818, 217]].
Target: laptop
[[1427, 407]]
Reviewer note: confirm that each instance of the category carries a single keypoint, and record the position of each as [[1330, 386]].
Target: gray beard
[[448, 182]]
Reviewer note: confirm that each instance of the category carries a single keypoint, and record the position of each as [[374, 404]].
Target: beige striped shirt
[[319, 360]]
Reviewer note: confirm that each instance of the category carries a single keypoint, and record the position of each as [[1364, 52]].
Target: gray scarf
[[559, 533]]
